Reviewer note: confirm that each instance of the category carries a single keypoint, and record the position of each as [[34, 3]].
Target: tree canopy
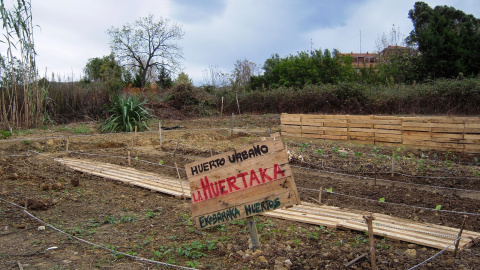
[[147, 46], [448, 40], [315, 67]]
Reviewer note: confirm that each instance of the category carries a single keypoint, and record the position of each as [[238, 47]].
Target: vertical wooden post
[[393, 165], [180, 180], [129, 160], [269, 132], [320, 195], [160, 132], [238, 104], [231, 132], [135, 131], [253, 233], [221, 109], [369, 220], [459, 235], [68, 144], [178, 172]]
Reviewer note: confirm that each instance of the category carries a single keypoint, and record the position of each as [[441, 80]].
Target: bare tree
[[147, 45], [395, 38], [243, 71], [215, 78]]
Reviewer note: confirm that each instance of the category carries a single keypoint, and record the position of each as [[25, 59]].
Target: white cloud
[[219, 32]]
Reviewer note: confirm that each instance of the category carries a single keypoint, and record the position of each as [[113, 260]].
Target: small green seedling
[[160, 162], [303, 147], [381, 199], [438, 207], [329, 190], [319, 151]]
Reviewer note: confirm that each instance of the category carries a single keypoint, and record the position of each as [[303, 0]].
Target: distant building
[[367, 60], [362, 60]]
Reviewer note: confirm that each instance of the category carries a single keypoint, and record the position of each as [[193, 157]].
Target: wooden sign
[[241, 183]]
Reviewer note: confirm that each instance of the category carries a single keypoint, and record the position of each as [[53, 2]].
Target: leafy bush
[[191, 100], [5, 134], [126, 114], [443, 96]]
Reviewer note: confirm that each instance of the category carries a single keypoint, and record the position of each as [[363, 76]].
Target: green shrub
[[126, 114], [5, 134]]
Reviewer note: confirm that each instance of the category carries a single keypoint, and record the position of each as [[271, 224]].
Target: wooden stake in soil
[[459, 235], [178, 172], [68, 144], [221, 109], [231, 131], [393, 165], [253, 233], [129, 160], [160, 132], [369, 220], [320, 196]]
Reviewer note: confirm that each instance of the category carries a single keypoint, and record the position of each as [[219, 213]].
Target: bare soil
[[156, 226]]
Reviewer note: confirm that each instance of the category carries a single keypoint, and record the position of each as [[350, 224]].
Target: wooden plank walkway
[[425, 234]]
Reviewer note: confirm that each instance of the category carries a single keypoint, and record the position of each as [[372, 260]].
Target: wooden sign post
[[241, 183]]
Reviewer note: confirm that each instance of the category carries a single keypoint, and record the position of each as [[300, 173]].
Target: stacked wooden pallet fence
[[460, 134]]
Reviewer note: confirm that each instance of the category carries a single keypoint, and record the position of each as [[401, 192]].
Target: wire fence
[[116, 252], [137, 258], [298, 187]]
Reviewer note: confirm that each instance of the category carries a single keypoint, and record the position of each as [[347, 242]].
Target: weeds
[[150, 213], [123, 219], [303, 147], [5, 134]]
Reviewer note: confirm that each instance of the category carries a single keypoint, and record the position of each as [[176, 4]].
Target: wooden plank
[[388, 139], [336, 132], [313, 135], [231, 179], [291, 129], [447, 120], [362, 130], [290, 117], [301, 217], [266, 191], [472, 136], [394, 127], [388, 131], [336, 124], [245, 210], [385, 135], [360, 125]]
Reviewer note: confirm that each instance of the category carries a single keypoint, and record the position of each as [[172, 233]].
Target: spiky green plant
[[126, 114]]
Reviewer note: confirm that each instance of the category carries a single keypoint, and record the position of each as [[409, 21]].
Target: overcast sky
[[219, 32]]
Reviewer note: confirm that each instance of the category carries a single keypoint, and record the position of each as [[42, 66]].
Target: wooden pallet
[[425, 234], [129, 176], [443, 133]]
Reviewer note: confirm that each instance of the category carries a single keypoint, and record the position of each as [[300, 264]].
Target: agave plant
[[126, 114]]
